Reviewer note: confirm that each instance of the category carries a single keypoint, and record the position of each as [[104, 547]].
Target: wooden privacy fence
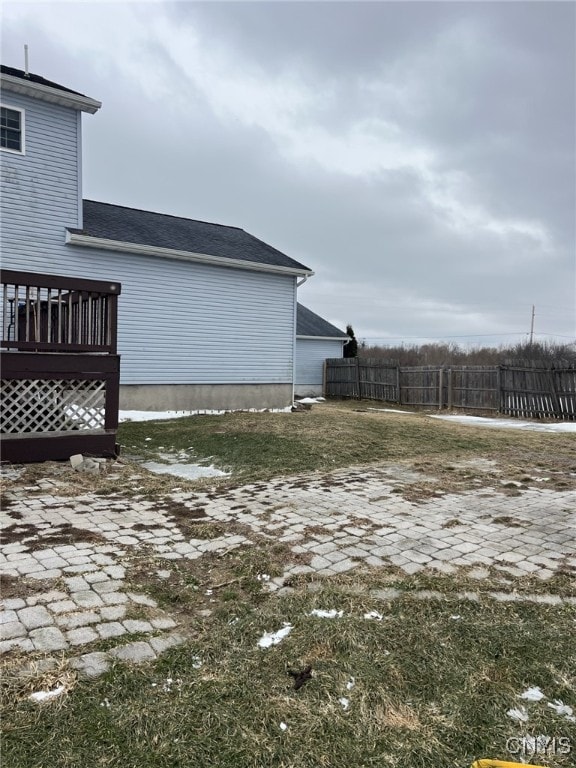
[[527, 392], [60, 371]]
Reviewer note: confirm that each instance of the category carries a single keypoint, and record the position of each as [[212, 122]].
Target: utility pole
[[532, 325]]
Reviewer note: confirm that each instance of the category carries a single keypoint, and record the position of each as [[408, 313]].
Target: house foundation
[[211, 397]]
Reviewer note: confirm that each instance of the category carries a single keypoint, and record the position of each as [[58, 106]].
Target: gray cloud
[[418, 156]]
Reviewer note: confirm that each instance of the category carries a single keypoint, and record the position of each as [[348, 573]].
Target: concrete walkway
[[331, 523]]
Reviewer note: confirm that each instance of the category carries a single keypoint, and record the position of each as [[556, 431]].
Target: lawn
[[334, 435], [422, 683], [426, 681]]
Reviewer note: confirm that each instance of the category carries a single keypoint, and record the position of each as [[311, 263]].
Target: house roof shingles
[[158, 230], [308, 323], [31, 78]]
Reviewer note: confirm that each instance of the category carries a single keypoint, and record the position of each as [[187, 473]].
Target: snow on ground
[[519, 714], [532, 694], [273, 638], [562, 709], [46, 695], [333, 614], [483, 421], [189, 471], [162, 415], [392, 410]]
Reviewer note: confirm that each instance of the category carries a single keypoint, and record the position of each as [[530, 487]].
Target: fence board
[[526, 391]]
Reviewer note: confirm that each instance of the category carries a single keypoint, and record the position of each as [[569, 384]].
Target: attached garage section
[[316, 340]]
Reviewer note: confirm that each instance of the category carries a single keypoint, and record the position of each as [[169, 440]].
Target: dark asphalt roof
[[31, 78], [130, 225], [308, 323]]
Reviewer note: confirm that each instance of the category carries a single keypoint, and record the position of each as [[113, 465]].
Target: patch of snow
[[390, 410], [163, 415], [169, 682], [310, 400], [373, 615], [350, 684], [189, 471], [273, 638], [483, 421], [344, 702], [283, 726], [562, 709], [532, 694], [333, 614], [456, 617], [106, 703], [196, 662], [263, 577], [47, 695], [519, 714]]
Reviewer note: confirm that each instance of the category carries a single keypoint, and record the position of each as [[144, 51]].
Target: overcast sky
[[419, 157]]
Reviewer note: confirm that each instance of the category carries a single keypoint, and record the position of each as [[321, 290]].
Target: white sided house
[[316, 340], [207, 317]]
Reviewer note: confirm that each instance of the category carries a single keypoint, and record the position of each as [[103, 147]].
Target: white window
[[12, 129]]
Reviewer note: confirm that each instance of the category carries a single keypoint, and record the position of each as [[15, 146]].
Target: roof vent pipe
[[26, 73]]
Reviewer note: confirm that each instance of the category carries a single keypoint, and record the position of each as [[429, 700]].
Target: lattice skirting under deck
[[33, 405]]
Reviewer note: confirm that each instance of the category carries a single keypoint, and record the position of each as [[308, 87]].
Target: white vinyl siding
[[179, 322], [186, 323], [39, 189], [310, 356]]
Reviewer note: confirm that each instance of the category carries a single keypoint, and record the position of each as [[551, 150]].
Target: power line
[[461, 336], [464, 336]]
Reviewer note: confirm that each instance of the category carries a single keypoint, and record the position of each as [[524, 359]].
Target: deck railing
[[47, 313], [59, 366]]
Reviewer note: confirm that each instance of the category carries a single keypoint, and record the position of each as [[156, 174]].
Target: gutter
[[325, 338], [47, 93], [87, 241]]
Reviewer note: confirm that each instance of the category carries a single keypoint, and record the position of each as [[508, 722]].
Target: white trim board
[[324, 338], [74, 238], [48, 93]]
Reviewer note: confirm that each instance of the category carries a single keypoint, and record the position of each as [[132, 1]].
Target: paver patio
[[331, 523]]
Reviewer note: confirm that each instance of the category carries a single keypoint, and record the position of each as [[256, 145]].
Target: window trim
[[22, 150]]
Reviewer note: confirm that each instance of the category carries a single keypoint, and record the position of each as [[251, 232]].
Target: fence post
[[554, 394], [440, 388], [499, 388], [398, 393], [358, 382], [324, 376], [450, 388]]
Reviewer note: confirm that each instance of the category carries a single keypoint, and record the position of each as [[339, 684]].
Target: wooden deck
[[59, 366]]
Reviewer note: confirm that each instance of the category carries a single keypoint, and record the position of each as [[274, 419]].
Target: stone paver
[[135, 652], [48, 639], [92, 664], [332, 524], [35, 617]]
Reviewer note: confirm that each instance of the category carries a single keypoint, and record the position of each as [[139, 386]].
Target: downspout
[[298, 284], [80, 216]]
